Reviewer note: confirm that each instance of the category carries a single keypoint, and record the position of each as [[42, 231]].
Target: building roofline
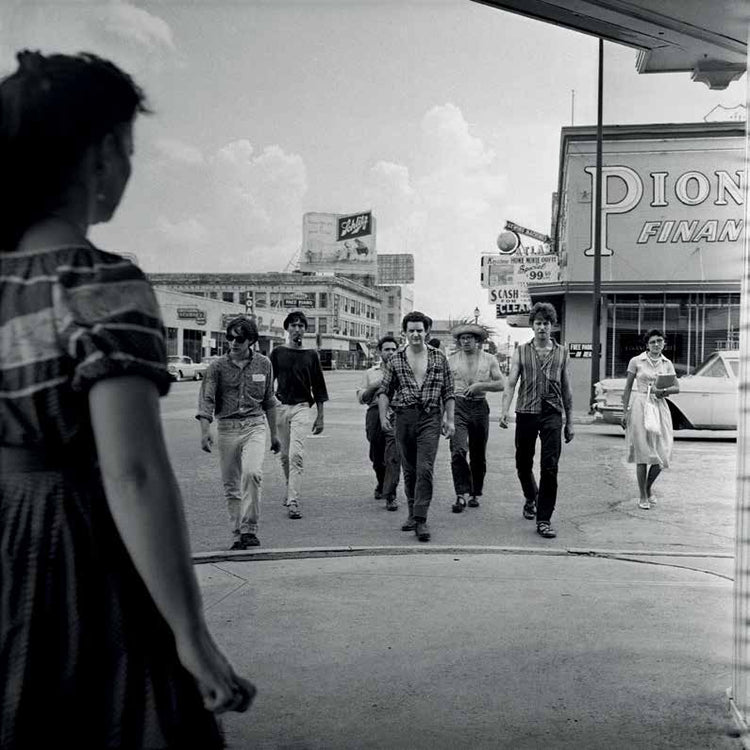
[[270, 279]]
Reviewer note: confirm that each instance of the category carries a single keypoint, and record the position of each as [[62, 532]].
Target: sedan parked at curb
[[181, 368], [707, 399]]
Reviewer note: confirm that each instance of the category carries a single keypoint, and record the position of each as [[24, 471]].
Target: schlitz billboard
[[344, 243], [672, 207]]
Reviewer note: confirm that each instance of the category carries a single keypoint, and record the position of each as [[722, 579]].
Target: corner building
[[671, 247]]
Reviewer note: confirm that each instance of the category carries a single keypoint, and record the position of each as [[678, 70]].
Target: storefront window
[[191, 343], [695, 326], [227, 296], [220, 337], [171, 341], [260, 299]]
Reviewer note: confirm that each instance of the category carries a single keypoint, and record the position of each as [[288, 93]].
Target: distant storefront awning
[[364, 349]]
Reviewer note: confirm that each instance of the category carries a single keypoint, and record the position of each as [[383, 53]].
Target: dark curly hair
[[416, 317], [52, 109]]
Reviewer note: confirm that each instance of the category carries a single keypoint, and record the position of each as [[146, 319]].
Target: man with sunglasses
[[237, 390], [300, 384]]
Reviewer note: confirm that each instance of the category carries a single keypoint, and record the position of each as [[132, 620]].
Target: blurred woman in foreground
[[103, 642]]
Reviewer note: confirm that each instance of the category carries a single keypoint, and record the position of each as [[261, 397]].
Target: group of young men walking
[[427, 394], [413, 396]]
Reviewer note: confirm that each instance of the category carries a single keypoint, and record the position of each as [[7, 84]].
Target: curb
[[299, 553]]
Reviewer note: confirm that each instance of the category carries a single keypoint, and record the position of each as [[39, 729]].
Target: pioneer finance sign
[[339, 242], [672, 207]]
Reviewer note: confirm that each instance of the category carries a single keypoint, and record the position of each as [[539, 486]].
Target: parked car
[[707, 399], [180, 368]]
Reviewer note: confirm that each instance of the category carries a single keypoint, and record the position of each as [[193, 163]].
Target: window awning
[[364, 349]]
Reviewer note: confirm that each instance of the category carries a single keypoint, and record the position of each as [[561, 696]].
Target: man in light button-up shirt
[[238, 391]]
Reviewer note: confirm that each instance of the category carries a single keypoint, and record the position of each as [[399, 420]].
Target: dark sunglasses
[[238, 339]]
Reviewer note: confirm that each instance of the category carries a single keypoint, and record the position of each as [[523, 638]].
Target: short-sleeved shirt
[[401, 387], [646, 371], [373, 378], [229, 391], [69, 317]]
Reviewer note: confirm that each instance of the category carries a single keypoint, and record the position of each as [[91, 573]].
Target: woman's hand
[[659, 392], [221, 688]]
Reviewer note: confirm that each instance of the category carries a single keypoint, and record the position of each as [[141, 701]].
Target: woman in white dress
[[649, 451]]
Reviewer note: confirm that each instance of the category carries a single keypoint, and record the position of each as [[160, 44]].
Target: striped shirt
[[543, 379], [70, 316], [401, 387]]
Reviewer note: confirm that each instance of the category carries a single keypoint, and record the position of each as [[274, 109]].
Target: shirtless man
[[418, 385], [475, 373]]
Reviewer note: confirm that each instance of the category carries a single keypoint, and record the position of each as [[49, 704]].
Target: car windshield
[[173, 359], [713, 367]]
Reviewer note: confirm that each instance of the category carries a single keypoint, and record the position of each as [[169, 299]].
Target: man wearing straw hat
[[475, 373]]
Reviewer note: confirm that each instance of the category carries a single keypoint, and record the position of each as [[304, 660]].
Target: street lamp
[[476, 315]]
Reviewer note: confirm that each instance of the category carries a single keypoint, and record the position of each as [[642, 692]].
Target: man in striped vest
[[544, 395]]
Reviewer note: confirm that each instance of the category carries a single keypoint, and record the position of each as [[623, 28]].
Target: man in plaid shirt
[[418, 386]]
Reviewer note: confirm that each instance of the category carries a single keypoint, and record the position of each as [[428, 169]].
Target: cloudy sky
[[441, 116]]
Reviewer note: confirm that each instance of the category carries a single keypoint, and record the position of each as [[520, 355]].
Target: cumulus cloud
[[445, 207], [236, 209], [135, 38], [121, 19]]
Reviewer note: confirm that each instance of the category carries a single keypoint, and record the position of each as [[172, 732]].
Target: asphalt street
[[596, 501]]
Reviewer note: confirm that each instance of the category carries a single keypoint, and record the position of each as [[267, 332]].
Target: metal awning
[[708, 39], [364, 349]]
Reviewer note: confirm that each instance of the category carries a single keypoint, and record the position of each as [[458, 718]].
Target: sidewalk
[[430, 647]]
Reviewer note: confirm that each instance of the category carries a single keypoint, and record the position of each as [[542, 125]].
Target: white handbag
[[651, 416]]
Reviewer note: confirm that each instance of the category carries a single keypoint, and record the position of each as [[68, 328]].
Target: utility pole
[[597, 208], [572, 107]]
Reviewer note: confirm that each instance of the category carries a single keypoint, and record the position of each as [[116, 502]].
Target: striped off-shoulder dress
[[86, 660]]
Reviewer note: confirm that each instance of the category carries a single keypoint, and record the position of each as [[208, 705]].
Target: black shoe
[[410, 524], [391, 504], [249, 540], [237, 545], [422, 531], [459, 505], [529, 509], [545, 530], [378, 494], [473, 502]]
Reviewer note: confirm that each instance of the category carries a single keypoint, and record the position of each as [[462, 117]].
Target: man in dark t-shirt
[[299, 385]]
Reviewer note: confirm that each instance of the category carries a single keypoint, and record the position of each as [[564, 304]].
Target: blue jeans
[[384, 455], [548, 427], [418, 435], [472, 431]]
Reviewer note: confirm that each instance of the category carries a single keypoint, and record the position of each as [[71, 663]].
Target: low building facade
[[343, 315]]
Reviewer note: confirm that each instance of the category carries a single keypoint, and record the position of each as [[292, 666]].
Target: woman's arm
[[629, 380], [146, 506]]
